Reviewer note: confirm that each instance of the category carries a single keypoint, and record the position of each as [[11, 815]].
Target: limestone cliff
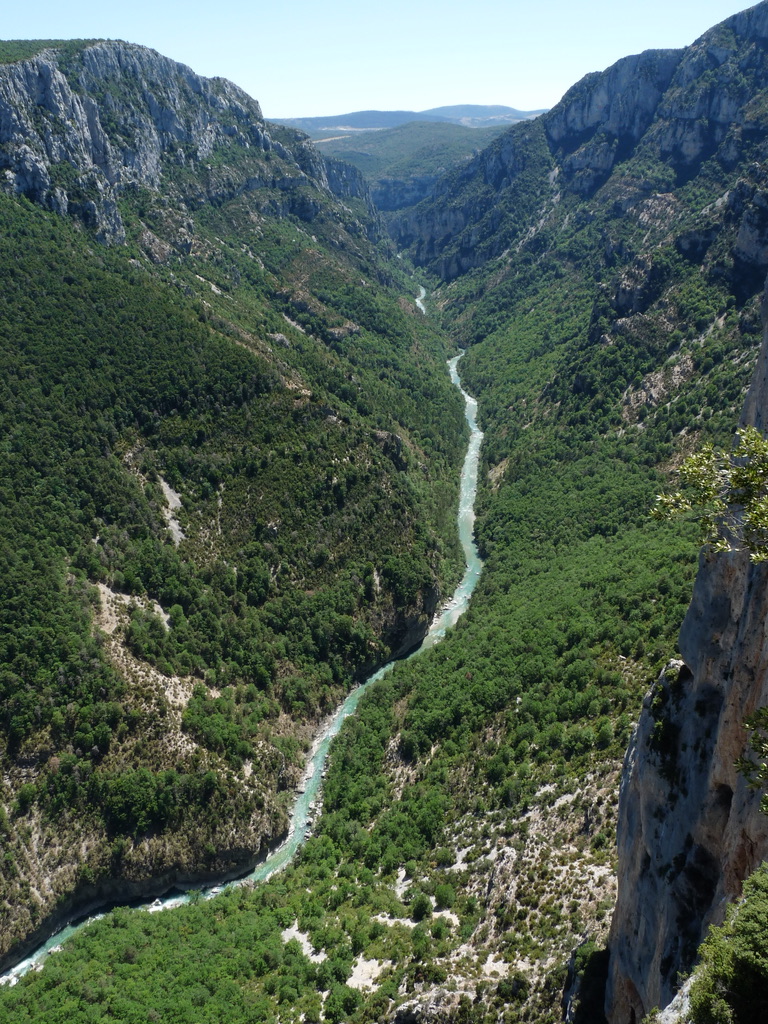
[[604, 116], [80, 125], [690, 828]]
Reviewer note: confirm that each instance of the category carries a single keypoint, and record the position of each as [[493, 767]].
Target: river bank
[[308, 800]]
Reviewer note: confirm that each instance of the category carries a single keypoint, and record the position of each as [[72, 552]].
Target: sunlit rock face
[[78, 127], [676, 108]]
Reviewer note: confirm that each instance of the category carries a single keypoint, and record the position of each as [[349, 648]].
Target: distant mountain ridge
[[402, 153], [468, 114]]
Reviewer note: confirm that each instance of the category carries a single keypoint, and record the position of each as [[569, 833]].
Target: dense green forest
[[292, 501], [730, 985], [173, 398]]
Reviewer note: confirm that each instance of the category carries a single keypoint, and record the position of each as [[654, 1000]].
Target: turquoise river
[[309, 796]]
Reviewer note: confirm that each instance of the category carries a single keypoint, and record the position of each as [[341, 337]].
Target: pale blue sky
[[303, 58]]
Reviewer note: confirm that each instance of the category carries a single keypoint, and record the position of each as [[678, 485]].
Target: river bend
[[308, 801]]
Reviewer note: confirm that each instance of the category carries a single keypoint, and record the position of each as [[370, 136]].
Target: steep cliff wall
[[77, 126], [604, 116], [690, 829]]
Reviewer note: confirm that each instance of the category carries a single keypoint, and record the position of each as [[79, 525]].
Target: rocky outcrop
[[603, 117], [79, 127], [749, 203], [411, 628], [690, 827], [346, 182]]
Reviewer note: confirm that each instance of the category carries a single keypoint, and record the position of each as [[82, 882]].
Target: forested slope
[[228, 473], [605, 266], [402, 164]]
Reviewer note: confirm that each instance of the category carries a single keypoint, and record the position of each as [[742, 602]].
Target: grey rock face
[[76, 129], [690, 828], [620, 101], [606, 114], [346, 182], [52, 124], [397, 193], [751, 244]]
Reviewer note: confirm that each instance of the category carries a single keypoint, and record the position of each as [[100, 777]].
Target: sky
[[301, 58]]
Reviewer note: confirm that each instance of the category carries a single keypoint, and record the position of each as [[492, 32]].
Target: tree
[[421, 907], [727, 494], [730, 985], [756, 771]]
